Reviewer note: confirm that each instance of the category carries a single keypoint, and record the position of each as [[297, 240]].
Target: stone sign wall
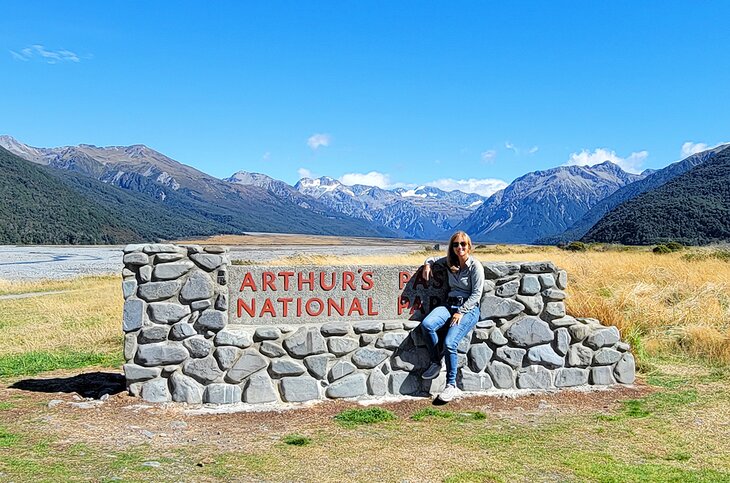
[[199, 330]]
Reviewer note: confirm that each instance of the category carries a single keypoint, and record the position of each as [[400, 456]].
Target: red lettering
[[322, 283], [286, 276], [348, 279], [308, 307], [248, 283], [309, 281], [371, 309], [332, 304], [356, 306], [367, 281], [404, 278], [403, 303], [250, 309], [268, 281], [285, 301], [299, 307], [268, 308], [417, 305]]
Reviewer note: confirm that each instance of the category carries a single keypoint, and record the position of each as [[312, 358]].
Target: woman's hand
[[426, 273], [456, 318]]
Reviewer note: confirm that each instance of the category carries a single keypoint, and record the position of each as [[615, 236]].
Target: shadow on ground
[[90, 384]]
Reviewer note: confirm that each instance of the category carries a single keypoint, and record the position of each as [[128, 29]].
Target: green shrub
[[675, 246], [661, 249], [576, 246]]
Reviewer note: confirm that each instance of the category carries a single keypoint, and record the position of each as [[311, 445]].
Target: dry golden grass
[[84, 317]]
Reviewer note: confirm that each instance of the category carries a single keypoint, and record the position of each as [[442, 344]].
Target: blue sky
[[388, 93]]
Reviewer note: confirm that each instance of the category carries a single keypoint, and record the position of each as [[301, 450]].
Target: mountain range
[[151, 196]]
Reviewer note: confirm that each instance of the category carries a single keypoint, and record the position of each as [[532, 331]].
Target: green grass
[[296, 440], [443, 414], [356, 417], [6, 406], [8, 439], [31, 363]]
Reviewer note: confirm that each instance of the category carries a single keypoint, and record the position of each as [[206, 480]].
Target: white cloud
[[510, 146], [266, 156], [304, 173], [489, 155], [373, 178], [42, 53], [533, 150], [632, 163], [519, 150], [317, 140], [689, 148], [484, 187]]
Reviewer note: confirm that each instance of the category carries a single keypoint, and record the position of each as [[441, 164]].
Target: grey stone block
[[391, 340], [579, 356], [299, 389], [602, 376], [317, 365], [129, 287], [417, 358], [352, 385], [198, 286], [145, 273], [132, 314], [152, 334], [511, 355], [215, 249], [367, 327], [404, 383], [249, 362], [392, 325], [502, 375], [155, 391], [165, 313], [623, 347], [579, 331], [260, 389], [529, 331], [181, 331], [508, 289], [198, 346], [135, 373], [529, 285], [235, 336], [161, 354], [625, 370], [562, 280], [606, 356], [553, 294], [471, 381], [493, 307], [566, 321], [130, 346], [185, 389], [546, 356], [534, 377], [367, 339], [212, 320], [497, 338], [340, 346], [538, 267], [553, 310], [340, 370], [136, 258], [133, 247], [222, 394], [171, 271], [496, 270], [329, 329], [571, 376], [464, 344], [266, 333], [271, 349], [411, 324], [367, 358], [153, 248], [205, 371], [547, 280], [127, 273], [533, 303], [481, 335], [479, 356], [206, 261], [377, 383], [221, 302], [168, 257], [485, 324], [286, 367], [562, 341], [156, 291], [305, 342], [603, 338], [226, 356]]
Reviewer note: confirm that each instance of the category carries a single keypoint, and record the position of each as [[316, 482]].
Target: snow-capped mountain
[[544, 203]]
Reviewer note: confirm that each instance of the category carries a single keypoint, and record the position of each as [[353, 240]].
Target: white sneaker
[[432, 372], [449, 393]]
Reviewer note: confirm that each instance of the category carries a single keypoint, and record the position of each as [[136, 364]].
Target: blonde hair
[[452, 261]]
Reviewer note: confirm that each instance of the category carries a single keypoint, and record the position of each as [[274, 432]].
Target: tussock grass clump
[[422, 414], [356, 417], [296, 440]]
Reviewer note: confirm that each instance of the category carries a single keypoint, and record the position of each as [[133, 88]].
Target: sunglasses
[[456, 244]]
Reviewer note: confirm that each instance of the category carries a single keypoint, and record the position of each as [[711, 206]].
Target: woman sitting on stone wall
[[466, 281]]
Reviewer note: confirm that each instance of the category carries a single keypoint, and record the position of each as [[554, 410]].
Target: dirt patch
[[93, 407]]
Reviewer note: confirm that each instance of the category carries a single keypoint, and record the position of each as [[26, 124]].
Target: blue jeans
[[437, 319]]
